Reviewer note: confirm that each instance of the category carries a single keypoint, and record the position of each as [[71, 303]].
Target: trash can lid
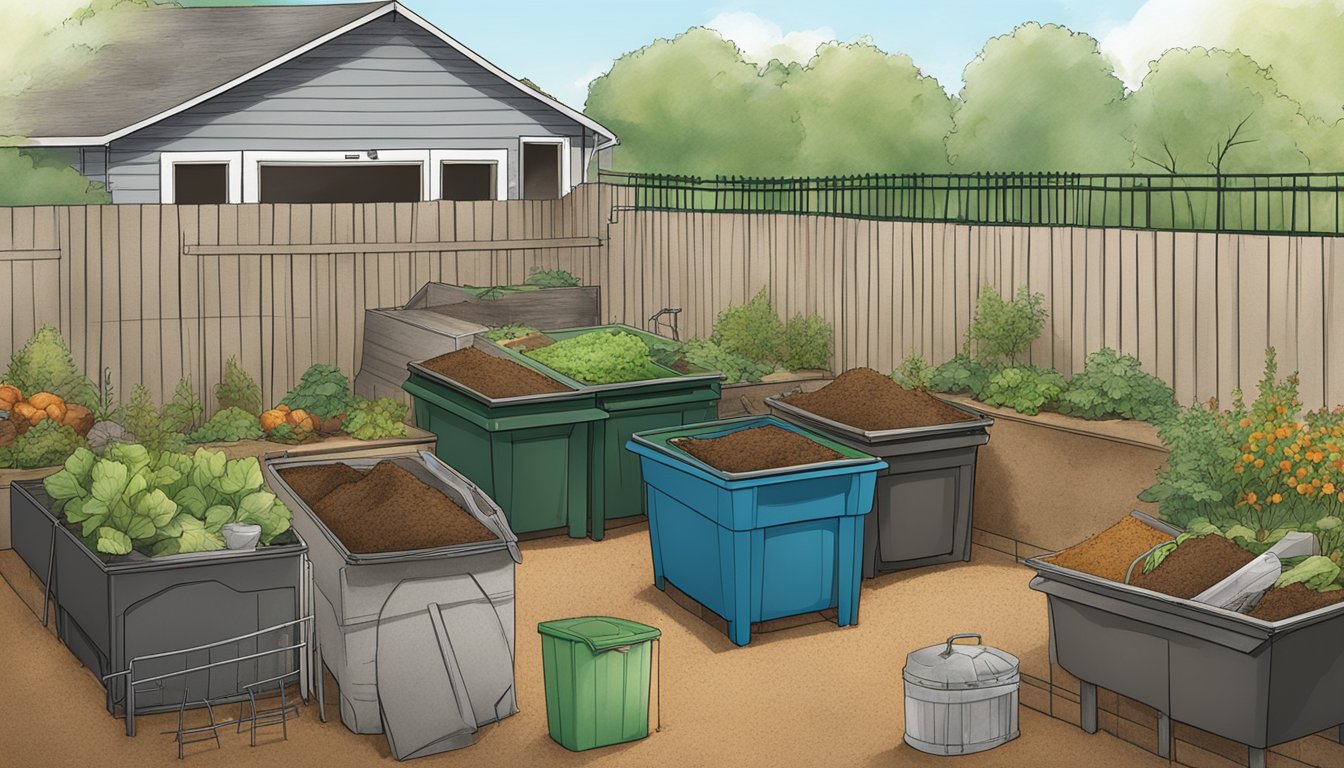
[[949, 666], [601, 633]]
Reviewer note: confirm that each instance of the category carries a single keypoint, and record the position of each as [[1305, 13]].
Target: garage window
[[200, 183], [468, 181], [318, 183]]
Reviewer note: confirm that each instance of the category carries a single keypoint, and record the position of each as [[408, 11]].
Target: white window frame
[[565, 162], [253, 160], [168, 177], [500, 157]]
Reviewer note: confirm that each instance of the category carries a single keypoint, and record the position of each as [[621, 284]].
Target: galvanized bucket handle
[[960, 636]]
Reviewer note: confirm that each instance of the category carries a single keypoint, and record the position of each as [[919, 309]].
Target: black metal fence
[[1302, 203]]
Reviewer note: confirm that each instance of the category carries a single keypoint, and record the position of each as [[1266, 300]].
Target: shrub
[[1003, 330], [807, 342], [149, 425], [184, 411], [323, 391], [735, 368], [1198, 478], [46, 444], [751, 330], [237, 389], [961, 375], [228, 426], [551, 278], [914, 372], [1112, 385], [44, 365], [376, 419], [1024, 388]]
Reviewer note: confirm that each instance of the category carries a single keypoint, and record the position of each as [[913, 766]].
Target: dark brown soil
[[750, 450], [1110, 553], [1285, 602], [492, 376], [864, 398], [529, 342], [1193, 567], [313, 483], [390, 510]]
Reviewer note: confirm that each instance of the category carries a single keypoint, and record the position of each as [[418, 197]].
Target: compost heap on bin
[[755, 449], [386, 509], [492, 376], [1192, 567], [864, 398]]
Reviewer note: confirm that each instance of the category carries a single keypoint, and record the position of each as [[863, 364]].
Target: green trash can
[[597, 672], [530, 454]]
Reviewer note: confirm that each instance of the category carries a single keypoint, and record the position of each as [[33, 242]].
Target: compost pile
[[1285, 602], [755, 449], [492, 376], [864, 398], [386, 509], [1110, 553], [1193, 567]]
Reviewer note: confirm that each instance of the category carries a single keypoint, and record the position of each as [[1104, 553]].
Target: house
[[357, 102]]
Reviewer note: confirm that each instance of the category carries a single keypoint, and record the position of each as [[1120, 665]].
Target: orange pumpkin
[[272, 419], [301, 421], [282, 408], [9, 395], [44, 400], [78, 418], [56, 412], [28, 413]]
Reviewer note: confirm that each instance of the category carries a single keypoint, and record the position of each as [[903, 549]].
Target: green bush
[[1024, 388], [237, 389], [184, 411], [751, 330], [228, 426], [150, 425], [807, 343], [376, 419], [1003, 331], [962, 375], [735, 368], [44, 445], [1114, 386], [44, 365], [551, 278], [323, 391], [914, 372]]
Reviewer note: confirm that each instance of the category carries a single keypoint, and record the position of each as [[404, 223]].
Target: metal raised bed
[[112, 609], [1255, 682], [421, 642], [924, 496]]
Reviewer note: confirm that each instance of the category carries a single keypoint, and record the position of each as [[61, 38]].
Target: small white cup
[[241, 535]]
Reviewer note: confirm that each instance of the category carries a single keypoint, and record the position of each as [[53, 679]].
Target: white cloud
[[762, 40], [1160, 25]]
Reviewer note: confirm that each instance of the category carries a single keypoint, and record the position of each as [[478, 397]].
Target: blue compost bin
[[757, 546]]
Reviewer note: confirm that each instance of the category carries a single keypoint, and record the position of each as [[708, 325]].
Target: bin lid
[[600, 633], [949, 666], [444, 666]]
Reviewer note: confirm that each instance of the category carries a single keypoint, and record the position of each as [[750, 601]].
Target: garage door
[[316, 183]]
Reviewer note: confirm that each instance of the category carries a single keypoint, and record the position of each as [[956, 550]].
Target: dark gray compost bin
[[112, 609], [1254, 682], [421, 642], [925, 495], [395, 337]]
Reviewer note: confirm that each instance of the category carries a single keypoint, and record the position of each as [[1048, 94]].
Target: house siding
[[387, 85]]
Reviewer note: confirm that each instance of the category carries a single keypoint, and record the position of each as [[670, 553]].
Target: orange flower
[[1302, 472], [1259, 463], [1303, 488], [1251, 497], [1285, 465], [1328, 488], [1276, 498]]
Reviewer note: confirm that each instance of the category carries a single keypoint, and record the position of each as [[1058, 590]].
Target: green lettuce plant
[[228, 426], [1114, 386], [162, 503], [237, 389], [1024, 388], [597, 357], [376, 419]]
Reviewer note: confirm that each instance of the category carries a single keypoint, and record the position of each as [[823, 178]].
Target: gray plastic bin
[[1255, 682], [407, 633], [924, 500], [112, 609]]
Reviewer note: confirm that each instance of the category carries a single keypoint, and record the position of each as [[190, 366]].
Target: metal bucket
[[960, 699]]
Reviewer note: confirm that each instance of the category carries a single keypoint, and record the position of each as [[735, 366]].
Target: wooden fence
[[154, 293]]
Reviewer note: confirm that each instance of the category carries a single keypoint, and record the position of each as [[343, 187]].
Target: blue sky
[[562, 45]]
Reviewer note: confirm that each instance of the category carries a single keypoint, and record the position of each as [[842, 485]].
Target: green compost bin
[[597, 672], [666, 398], [530, 454]]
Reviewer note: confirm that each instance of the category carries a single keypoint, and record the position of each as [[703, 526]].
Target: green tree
[[44, 177], [1299, 41], [693, 105], [1213, 111], [1042, 98], [864, 111]]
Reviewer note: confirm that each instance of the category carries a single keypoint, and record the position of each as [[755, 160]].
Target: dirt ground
[[814, 695]]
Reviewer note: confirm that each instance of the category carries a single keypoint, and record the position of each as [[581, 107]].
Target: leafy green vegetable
[[1024, 388], [286, 433], [914, 372], [238, 389], [1316, 572], [150, 425], [509, 332], [1112, 385], [44, 445], [751, 330], [184, 411], [323, 391], [1198, 480], [962, 375], [228, 426], [598, 357], [710, 356], [44, 365], [376, 419], [551, 278], [162, 503], [807, 342], [1003, 331]]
